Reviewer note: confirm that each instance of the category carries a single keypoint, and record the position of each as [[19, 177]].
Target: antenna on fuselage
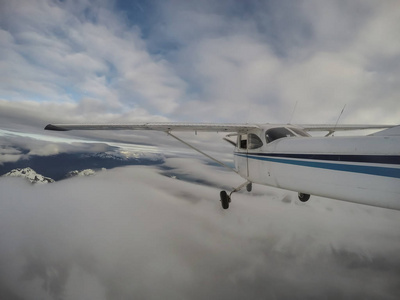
[[337, 121]]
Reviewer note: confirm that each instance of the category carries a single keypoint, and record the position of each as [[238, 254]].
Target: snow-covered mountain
[[29, 174], [86, 172], [34, 177]]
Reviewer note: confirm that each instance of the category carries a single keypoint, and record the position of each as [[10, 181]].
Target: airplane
[[359, 169]]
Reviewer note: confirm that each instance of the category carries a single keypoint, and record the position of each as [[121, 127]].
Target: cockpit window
[[277, 133], [254, 141], [299, 131]]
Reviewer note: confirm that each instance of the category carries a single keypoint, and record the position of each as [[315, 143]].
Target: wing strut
[[201, 152]]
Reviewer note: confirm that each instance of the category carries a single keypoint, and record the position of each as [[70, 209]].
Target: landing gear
[[304, 197], [249, 187], [226, 199]]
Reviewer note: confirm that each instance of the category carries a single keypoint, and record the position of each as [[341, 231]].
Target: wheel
[[225, 199], [249, 187], [304, 197]]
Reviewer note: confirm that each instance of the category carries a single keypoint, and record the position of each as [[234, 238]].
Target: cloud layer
[[137, 232]]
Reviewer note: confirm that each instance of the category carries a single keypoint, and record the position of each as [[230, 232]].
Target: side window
[[277, 133], [242, 141], [254, 141]]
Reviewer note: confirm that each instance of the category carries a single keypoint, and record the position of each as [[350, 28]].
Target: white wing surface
[[158, 126], [393, 131], [206, 127], [340, 127]]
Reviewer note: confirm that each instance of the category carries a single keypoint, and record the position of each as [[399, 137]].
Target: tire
[[224, 200], [304, 197], [249, 187]]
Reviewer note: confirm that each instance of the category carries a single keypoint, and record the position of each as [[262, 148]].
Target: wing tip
[[54, 128]]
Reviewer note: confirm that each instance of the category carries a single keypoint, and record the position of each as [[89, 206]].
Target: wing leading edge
[[205, 127], [158, 126]]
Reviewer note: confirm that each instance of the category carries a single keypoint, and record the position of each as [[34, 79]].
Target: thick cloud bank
[[136, 232]]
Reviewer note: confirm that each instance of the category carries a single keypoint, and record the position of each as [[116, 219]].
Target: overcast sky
[[219, 61], [135, 232]]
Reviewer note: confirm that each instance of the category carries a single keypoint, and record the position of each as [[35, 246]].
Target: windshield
[[277, 133]]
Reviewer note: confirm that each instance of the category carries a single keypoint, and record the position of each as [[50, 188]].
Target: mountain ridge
[[29, 174]]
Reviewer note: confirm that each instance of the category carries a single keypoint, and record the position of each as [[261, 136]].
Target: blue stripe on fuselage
[[363, 169]]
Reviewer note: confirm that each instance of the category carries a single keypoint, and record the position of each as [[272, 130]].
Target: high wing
[[205, 127], [392, 131], [158, 126], [340, 127]]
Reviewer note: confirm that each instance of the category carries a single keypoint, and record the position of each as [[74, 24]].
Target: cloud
[[82, 51], [30, 116], [206, 61], [258, 64], [134, 231], [7, 157], [34, 145]]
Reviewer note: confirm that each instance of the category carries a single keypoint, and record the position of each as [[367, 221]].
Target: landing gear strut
[[304, 197], [226, 199]]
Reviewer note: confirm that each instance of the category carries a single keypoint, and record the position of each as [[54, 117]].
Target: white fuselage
[[362, 169]]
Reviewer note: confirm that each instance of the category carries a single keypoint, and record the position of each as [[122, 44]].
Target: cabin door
[[243, 147]]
